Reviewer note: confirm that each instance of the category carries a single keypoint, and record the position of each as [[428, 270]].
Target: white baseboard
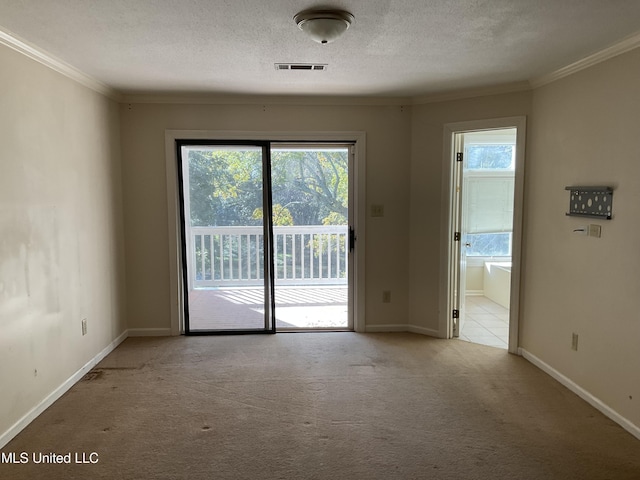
[[149, 332], [424, 331], [474, 293], [21, 424], [386, 328], [630, 427], [402, 328]]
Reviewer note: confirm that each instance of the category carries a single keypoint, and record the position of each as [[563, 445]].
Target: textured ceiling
[[394, 47]]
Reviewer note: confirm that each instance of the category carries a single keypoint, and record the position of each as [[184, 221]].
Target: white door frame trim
[[450, 129], [173, 208]]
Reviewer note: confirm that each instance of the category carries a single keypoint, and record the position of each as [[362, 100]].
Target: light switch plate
[[377, 210]]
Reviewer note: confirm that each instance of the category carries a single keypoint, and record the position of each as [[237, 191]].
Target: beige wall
[[584, 131], [61, 236], [427, 161], [387, 176], [404, 148]]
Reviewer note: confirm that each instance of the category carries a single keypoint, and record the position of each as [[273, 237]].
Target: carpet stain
[[93, 375], [98, 373], [139, 367], [347, 422]]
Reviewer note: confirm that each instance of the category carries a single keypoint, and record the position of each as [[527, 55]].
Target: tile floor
[[485, 322]]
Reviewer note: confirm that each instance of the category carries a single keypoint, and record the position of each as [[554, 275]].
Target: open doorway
[[487, 180], [267, 236], [485, 198]]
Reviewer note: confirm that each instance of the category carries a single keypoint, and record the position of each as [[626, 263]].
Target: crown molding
[[472, 92], [625, 45], [186, 99], [48, 60], [14, 42]]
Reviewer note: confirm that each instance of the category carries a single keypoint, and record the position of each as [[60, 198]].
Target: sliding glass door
[[226, 218], [266, 237], [310, 189]]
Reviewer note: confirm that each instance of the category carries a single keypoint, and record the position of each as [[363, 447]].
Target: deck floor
[[242, 308]]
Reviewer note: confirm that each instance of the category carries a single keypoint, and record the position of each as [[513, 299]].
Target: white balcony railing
[[304, 255]]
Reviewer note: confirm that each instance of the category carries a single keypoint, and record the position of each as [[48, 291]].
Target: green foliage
[[334, 218], [281, 215], [309, 187], [312, 184], [225, 186]]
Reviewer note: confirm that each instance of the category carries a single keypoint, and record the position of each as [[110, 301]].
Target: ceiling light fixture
[[324, 26]]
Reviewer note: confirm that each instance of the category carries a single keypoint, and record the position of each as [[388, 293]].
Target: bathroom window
[[490, 157], [489, 245]]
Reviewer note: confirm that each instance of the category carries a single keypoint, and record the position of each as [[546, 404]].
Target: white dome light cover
[[324, 26]]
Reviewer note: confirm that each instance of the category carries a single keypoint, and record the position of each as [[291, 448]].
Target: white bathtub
[[497, 282]]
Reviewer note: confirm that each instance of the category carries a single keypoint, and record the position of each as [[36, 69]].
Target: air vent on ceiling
[[301, 66]]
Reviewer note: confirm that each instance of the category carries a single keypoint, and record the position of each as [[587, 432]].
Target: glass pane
[[489, 157], [224, 237], [489, 245], [310, 191]]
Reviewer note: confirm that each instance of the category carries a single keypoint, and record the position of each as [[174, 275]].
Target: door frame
[[177, 294], [447, 244]]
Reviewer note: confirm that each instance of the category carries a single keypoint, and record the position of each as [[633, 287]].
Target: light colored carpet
[[323, 406]]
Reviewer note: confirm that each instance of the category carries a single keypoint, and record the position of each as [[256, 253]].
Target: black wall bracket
[[595, 202]]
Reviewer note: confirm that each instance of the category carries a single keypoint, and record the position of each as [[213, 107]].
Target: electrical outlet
[[386, 296], [574, 341], [84, 326]]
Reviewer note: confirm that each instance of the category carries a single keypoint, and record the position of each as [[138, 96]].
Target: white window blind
[[489, 203]]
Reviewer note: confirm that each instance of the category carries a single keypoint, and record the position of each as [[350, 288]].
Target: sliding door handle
[[352, 239]]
